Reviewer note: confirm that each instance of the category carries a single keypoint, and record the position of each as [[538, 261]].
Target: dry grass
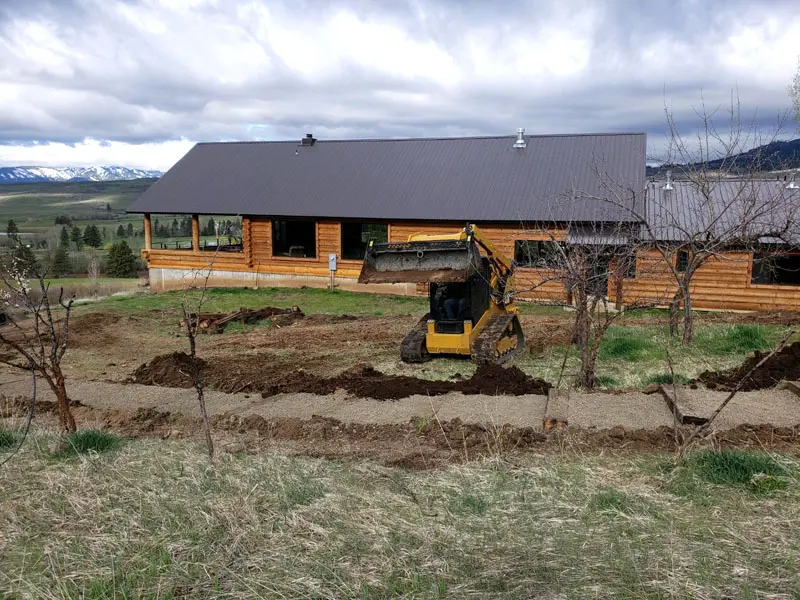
[[153, 519]]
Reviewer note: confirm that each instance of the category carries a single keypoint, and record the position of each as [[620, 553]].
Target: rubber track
[[484, 349], [412, 349]]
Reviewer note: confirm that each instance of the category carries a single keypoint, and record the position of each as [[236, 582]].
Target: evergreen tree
[[174, 228], [210, 227], [12, 230], [121, 261], [61, 264], [63, 240], [156, 229], [105, 234], [24, 257], [130, 230], [120, 231], [77, 237], [108, 206], [91, 236]]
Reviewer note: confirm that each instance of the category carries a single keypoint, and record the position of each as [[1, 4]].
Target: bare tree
[[191, 324], [38, 345], [585, 259], [719, 207], [93, 271]]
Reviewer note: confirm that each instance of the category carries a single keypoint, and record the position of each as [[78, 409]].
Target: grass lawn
[[153, 519]]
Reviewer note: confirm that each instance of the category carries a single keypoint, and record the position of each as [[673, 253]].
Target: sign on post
[[332, 268]]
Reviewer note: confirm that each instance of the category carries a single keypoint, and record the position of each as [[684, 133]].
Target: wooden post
[[195, 233], [148, 237]]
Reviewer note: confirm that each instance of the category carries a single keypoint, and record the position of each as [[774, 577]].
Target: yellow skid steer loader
[[472, 310]]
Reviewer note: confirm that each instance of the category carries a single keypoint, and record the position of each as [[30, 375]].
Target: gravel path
[[587, 410]]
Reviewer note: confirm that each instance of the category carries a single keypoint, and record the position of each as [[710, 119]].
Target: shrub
[[89, 440]]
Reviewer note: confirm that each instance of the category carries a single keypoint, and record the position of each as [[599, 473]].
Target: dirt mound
[[785, 365], [271, 377], [169, 370], [97, 329], [366, 382]]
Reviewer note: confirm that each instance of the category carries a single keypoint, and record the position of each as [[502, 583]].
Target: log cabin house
[[302, 201]]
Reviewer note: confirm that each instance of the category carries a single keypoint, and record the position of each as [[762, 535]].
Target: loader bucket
[[420, 262]]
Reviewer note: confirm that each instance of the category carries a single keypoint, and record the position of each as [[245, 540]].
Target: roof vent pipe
[[520, 143], [308, 140], [668, 185], [793, 184]]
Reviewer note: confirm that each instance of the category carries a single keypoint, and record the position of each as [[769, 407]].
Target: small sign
[[332, 262]]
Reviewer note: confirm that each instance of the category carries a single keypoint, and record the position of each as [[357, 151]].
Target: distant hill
[[769, 157], [62, 174]]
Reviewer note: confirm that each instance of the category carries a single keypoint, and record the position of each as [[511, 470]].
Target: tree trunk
[[59, 387], [588, 378], [674, 307], [688, 319]]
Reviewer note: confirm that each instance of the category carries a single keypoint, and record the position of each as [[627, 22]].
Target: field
[[342, 472]]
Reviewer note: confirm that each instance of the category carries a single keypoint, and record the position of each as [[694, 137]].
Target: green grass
[[606, 381], [8, 439], [156, 519], [730, 467], [86, 441], [310, 300]]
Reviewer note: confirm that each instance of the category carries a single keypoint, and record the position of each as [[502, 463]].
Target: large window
[[536, 253], [356, 236], [776, 269], [294, 238]]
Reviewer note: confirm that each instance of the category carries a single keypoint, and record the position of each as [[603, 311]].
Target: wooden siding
[[722, 283]]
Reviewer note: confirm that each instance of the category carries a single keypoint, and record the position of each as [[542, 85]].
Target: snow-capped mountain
[[40, 174]]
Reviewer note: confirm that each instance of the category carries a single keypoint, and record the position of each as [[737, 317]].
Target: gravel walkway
[[587, 410]]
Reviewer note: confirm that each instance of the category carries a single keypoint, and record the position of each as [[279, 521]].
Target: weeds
[[732, 467], [8, 438], [85, 441], [667, 379], [625, 343], [606, 381]]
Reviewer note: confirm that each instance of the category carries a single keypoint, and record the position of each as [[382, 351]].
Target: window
[[294, 238], [682, 261], [356, 236], [776, 269], [535, 253]]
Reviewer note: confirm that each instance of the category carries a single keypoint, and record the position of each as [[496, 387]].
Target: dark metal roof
[[462, 179], [729, 209]]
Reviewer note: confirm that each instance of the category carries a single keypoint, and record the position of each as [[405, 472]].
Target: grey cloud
[[138, 87]]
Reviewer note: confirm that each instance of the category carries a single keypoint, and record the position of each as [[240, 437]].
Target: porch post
[[148, 234], [195, 233]]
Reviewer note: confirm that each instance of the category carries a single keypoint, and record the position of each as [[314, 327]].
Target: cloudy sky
[[137, 82]]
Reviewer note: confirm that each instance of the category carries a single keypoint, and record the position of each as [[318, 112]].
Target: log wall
[[722, 283]]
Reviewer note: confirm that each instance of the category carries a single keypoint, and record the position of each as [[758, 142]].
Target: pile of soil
[[169, 370], [97, 329], [244, 375], [785, 365], [367, 382]]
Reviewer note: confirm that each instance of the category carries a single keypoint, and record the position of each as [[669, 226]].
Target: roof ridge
[[431, 139]]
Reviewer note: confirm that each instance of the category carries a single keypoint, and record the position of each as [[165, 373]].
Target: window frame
[[361, 223], [541, 263], [678, 266], [315, 225], [761, 257]]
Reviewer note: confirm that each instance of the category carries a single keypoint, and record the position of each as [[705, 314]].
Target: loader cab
[[474, 294]]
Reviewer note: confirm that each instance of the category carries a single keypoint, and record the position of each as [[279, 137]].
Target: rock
[[651, 388]]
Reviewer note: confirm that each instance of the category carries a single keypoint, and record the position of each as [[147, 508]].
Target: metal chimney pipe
[[520, 143]]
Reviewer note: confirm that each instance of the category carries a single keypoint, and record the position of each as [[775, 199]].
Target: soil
[[261, 374], [785, 365], [411, 445]]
